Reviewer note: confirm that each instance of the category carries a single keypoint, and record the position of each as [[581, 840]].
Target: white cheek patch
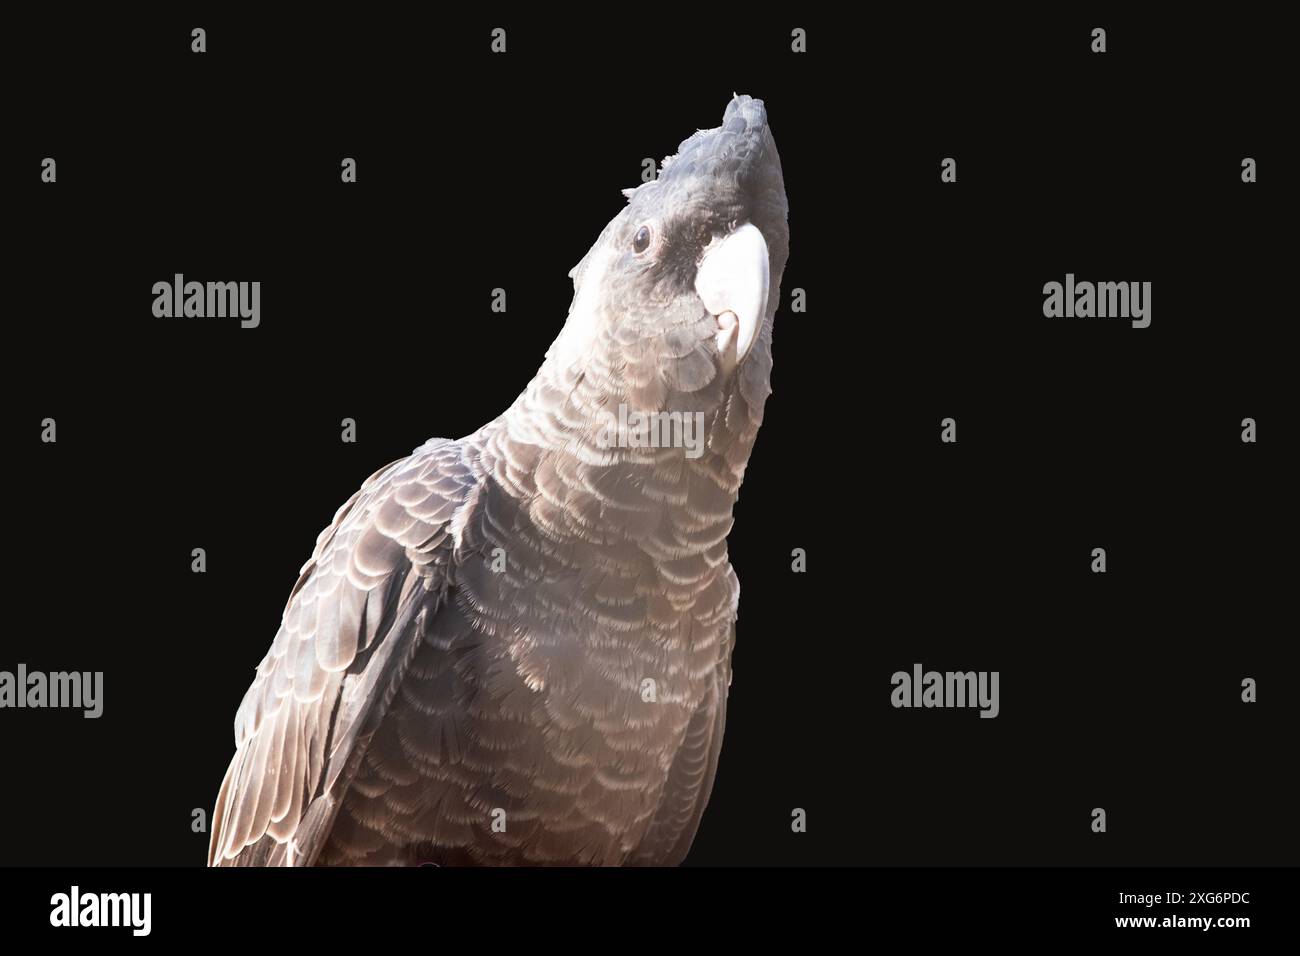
[[579, 332]]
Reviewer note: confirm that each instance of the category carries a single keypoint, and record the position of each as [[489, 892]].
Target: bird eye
[[641, 241]]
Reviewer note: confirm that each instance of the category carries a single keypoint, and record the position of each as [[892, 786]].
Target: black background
[[478, 171]]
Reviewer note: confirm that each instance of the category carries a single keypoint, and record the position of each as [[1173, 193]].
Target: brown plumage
[[515, 648]]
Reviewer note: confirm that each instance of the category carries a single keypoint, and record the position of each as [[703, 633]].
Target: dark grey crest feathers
[[515, 648]]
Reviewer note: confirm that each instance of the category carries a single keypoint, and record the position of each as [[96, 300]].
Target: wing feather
[[350, 628], [690, 782]]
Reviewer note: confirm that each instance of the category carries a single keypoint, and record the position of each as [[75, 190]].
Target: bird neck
[[581, 464]]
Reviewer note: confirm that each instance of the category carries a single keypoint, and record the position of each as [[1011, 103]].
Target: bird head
[[673, 305]]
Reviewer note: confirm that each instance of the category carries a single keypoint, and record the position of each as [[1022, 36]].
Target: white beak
[[732, 283]]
